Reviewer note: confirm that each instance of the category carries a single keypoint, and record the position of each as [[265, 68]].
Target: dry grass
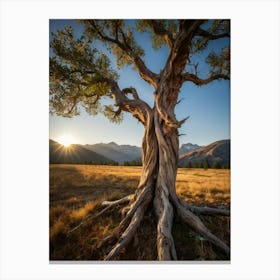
[[204, 187], [76, 192]]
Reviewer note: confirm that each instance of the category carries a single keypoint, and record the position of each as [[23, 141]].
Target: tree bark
[[156, 187]]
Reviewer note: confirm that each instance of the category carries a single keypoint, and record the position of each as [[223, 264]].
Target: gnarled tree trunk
[[157, 185]]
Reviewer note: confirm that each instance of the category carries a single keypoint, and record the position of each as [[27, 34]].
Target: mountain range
[[188, 147], [74, 154], [111, 153], [118, 153], [218, 152]]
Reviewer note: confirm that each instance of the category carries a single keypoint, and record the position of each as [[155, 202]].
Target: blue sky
[[208, 106]]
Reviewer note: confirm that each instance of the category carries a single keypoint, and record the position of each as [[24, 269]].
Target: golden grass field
[[76, 192]]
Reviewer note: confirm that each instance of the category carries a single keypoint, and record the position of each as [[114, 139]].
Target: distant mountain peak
[[218, 151], [119, 153], [188, 147], [113, 144]]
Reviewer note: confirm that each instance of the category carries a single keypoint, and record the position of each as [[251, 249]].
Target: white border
[[254, 134]]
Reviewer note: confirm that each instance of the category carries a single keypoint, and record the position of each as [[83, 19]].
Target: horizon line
[[113, 142]]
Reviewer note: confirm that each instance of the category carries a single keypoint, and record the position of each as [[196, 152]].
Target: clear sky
[[208, 106]]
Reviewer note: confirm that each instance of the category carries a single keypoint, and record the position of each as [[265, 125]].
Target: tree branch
[[199, 82], [161, 31], [142, 69], [116, 30], [131, 91], [180, 51], [210, 36], [137, 107]]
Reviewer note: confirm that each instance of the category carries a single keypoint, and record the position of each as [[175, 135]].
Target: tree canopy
[[81, 75]]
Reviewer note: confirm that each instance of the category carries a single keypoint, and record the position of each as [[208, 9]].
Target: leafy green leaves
[[78, 74], [117, 36], [113, 116], [157, 30], [219, 63], [213, 29]]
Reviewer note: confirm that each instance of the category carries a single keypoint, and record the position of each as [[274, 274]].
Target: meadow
[[76, 193]]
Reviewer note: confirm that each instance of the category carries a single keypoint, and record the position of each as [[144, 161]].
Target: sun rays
[[66, 140]]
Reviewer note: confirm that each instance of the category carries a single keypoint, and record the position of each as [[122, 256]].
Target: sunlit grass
[[76, 192], [199, 186], [82, 212]]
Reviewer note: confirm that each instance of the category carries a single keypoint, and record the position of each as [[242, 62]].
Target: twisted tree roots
[[164, 207]]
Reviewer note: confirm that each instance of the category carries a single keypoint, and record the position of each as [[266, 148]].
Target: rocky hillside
[[218, 152]]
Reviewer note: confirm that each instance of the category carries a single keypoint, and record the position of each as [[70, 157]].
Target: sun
[[66, 140]]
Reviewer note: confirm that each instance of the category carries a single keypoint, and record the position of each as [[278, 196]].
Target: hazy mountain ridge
[[188, 147], [119, 153], [218, 152], [74, 154], [122, 153]]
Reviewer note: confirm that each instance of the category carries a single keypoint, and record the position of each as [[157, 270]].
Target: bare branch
[[131, 91], [200, 82], [180, 123]]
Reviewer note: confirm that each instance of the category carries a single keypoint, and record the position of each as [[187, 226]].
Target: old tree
[[80, 75]]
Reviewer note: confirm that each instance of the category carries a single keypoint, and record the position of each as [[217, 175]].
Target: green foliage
[[216, 165], [200, 44], [113, 116], [110, 163], [225, 166], [78, 75], [157, 41], [214, 27], [119, 31], [121, 56], [133, 163], [205, 164], [219, 63]]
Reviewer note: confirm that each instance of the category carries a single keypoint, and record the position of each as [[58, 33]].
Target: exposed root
[[121, 237], [210, 211], [129, 225], [127, 236], [109, 204], [125, 232], [144, 197], [197, 225], [123, 200], [205, 210]]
